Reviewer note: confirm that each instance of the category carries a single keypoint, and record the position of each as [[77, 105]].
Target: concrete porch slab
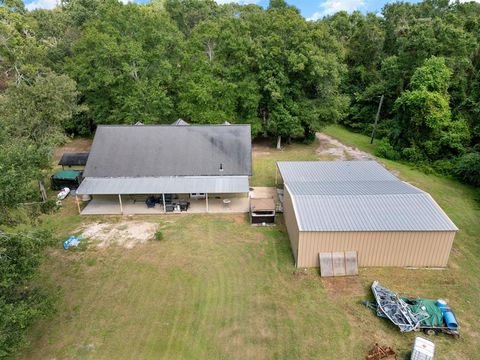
[[109, 205]]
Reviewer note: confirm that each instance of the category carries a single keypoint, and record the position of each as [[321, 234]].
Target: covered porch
[[135, 205], [173, 194]]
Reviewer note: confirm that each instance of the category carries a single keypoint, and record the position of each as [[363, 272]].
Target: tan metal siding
[[394, 248], [290, 222]]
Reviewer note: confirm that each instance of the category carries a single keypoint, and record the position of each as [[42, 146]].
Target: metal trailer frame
[[389, 305]]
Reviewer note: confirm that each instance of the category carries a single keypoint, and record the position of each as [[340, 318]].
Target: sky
[[310, 9]]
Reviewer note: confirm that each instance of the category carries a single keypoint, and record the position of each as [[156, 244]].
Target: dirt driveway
[[330, 147]]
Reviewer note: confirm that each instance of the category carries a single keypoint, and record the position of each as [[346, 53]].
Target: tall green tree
[[125, 64], [363, 38], [33, 117], [21, 54], [425, 128], [299, 62], [39, 110], [216, 82]]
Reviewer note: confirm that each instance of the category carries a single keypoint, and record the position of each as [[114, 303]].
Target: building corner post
[[121, 205]]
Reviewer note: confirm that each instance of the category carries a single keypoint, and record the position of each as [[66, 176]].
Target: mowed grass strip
[[265, 158], [215, 287]]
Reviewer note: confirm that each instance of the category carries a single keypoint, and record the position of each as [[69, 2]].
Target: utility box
[[423, 349], [262, 211]]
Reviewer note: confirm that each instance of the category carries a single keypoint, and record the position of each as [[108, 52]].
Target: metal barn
[[360, 206]]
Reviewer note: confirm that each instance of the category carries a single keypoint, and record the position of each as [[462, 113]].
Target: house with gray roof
[[168, 168], [359, 206]]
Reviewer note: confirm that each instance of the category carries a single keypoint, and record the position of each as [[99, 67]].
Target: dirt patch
[[239, 218], [330, 147], [76, 145], [343, 287], [262, 147], [126, 233]]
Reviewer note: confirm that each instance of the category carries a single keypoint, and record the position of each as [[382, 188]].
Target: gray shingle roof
[[166, 150], [358, 196]]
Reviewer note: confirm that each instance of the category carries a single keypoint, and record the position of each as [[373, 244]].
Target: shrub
[[309, 138], [425, 167], [467, 168], [21, 304], [412, 154], [159, 235], [48, 206], [444, 166], [385, 150]]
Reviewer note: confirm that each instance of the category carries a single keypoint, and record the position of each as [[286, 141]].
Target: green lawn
[[216, 287], [264, 160]]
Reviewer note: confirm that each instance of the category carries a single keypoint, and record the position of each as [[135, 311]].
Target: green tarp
[[66, 175], [429, 306]]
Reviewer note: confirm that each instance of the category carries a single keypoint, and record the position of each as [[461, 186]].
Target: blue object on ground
[[72, 241], [448, 315]]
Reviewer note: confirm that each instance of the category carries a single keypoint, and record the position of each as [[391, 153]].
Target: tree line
[[90, 62], [424, 58]]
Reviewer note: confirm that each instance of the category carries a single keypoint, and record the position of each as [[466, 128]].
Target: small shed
[[262, 211], [66, 178], [73, 159]]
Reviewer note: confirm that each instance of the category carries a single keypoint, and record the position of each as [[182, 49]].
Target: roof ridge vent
[[180, 122]]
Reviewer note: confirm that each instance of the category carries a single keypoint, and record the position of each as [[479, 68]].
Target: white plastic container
[[423, 349]]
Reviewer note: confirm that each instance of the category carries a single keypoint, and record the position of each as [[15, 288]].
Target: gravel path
[[330, 147]]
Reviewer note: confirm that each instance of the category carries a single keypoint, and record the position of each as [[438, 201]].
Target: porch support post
[[164, 205], [206, 201], [121, 205], [78, 205], [276, 174]]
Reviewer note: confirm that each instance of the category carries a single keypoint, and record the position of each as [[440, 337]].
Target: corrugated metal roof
[[392, 212], [74, 159], [164, 185], [170, 150], [352, 188], [320, 171], [262, 204], [358, 196]]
